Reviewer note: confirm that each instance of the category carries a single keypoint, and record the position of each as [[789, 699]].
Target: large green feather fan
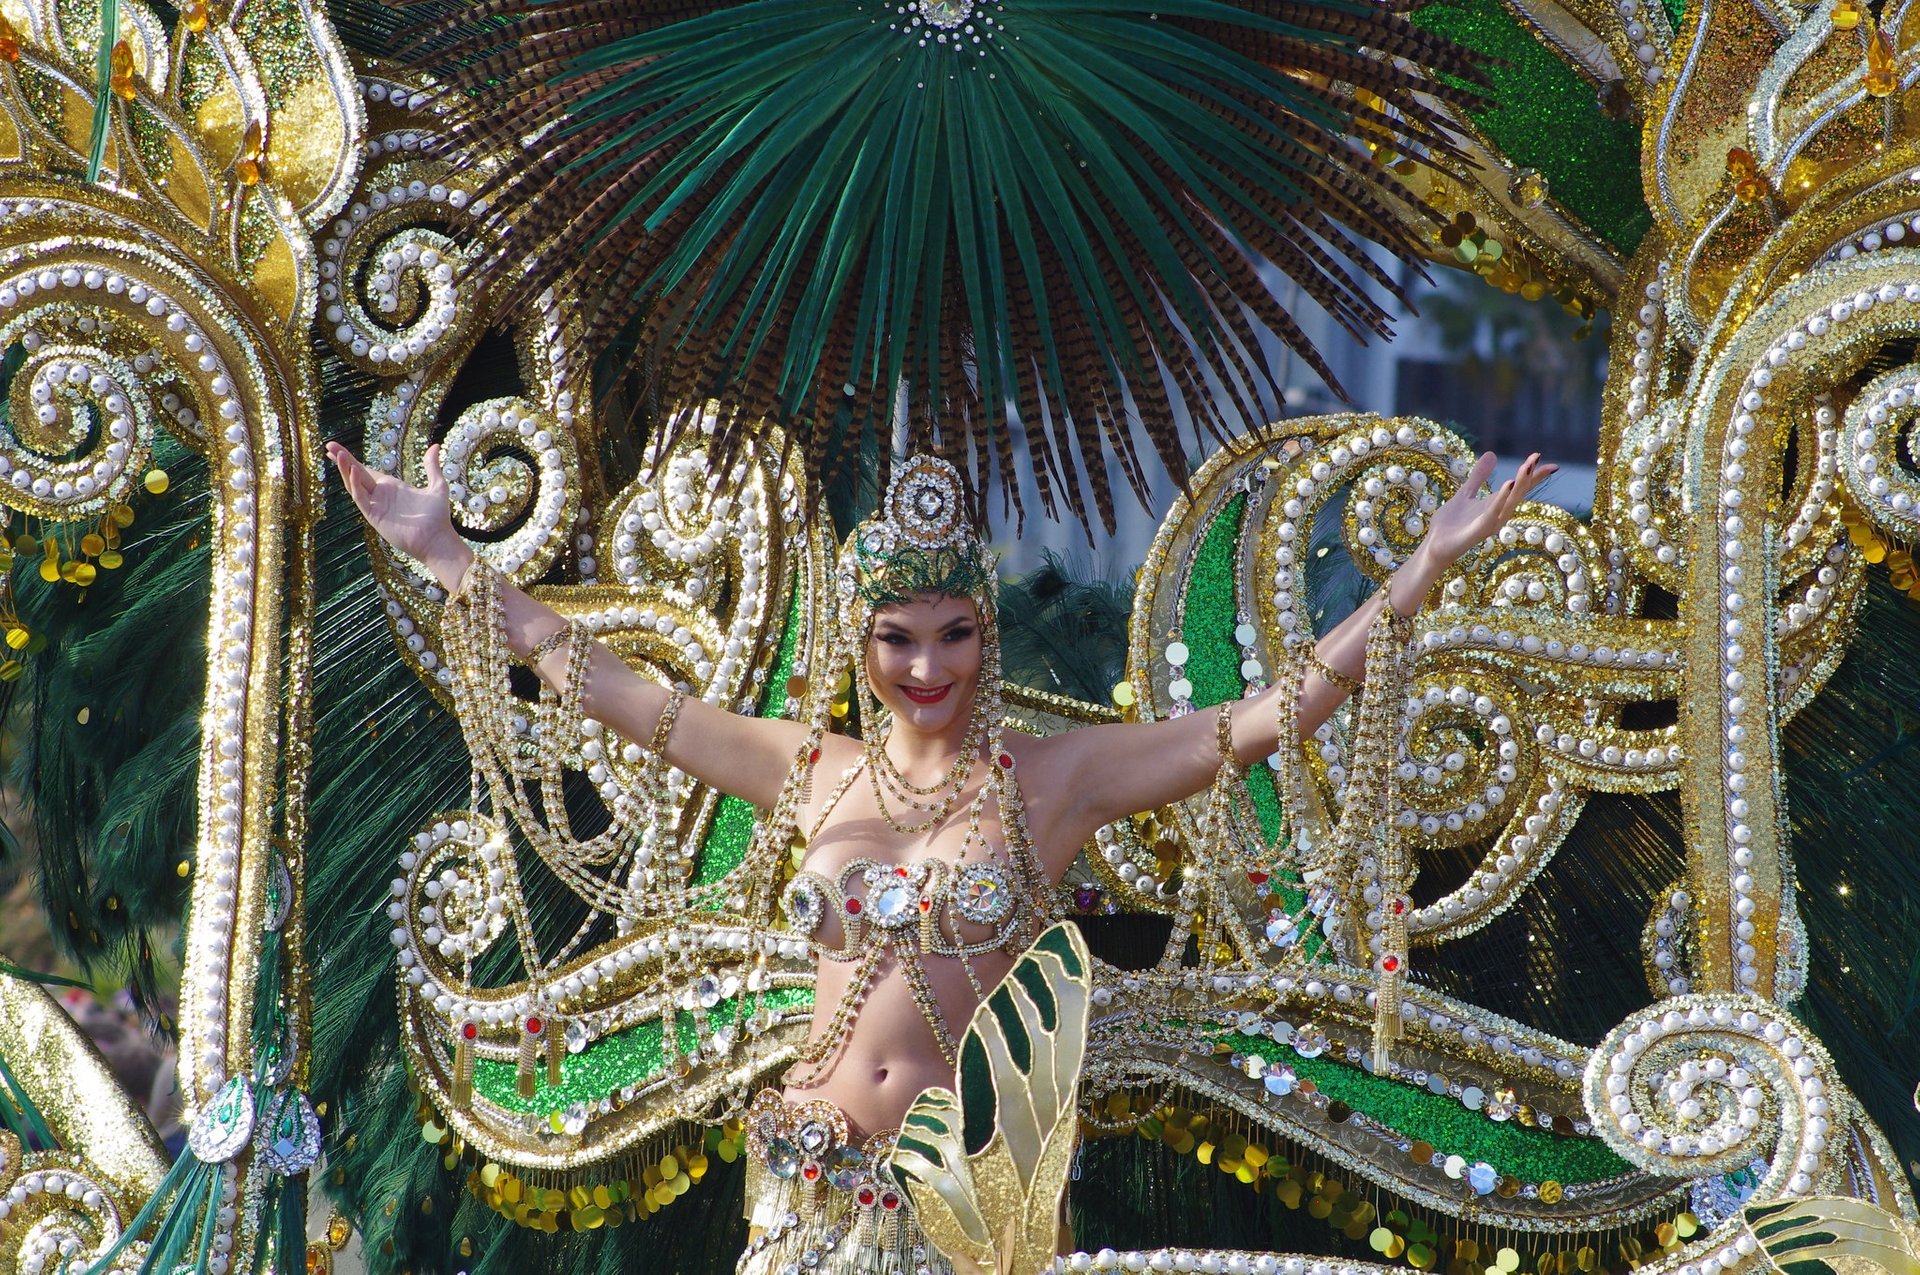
[[1014, 228]]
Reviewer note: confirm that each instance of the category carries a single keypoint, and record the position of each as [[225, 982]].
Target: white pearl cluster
[[1646, 55], [1310, 480], [1513, 861], [1648, 444], [1134, 864], [460, 897], [186, 346], [404, 97], [1700, 1084], [1517, 582], [1512, 1046], [1669, 932], [574, 990], [1744, 707], [504, 459], [63, 1217], [413, 268], [54, 393], [1434, 716], [1880, 422]]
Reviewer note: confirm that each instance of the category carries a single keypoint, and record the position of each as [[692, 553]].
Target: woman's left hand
[[1471, 517]]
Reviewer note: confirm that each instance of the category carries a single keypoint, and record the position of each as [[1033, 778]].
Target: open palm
[[417, 521], [1469, 517]]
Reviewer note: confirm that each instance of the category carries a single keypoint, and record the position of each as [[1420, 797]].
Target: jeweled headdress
[[921, 542]]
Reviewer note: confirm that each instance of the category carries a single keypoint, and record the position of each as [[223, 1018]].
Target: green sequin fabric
[[1527, 1153], [613, 1063], [1547, 117]]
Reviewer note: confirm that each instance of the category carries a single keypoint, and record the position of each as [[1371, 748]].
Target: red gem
[[853, 907], [813, 756], [1258, 878], [810, 1171], [1391, 964], [469, 1031], [926, 905], [865, 1197], [889, 1200], [1399, 906], [533, 1026], [899, 872], [1006, 762]]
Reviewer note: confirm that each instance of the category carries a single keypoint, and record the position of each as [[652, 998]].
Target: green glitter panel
[[1213, 666], [1546, 116], [1676, 12], [733, 819], [1521, 1151], [1213, 657], [605, 1067]]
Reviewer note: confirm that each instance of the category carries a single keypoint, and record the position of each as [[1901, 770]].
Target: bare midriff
[[891, 1054]]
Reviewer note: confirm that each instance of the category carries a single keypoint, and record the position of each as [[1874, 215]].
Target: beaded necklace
[[912, 911]]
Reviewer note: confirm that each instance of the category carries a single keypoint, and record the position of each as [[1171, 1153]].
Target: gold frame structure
[[255, 187]]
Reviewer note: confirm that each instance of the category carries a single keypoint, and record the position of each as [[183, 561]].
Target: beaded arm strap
[[1223, 737], [547, 646], [1333, 676], [664, 727]]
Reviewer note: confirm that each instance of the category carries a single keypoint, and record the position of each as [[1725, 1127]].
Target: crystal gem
[[1280, 1081], [577, 1037], [783, 1158], [707, 991], [893, 907], [1086, 897], [574, 1119], [1500, 1104], [225, 1124], [982, 895], [1310, 1041], [843, 1168], [815, 1137], [1482, 1178], [805, 906]]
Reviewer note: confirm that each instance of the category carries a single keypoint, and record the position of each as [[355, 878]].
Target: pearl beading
[[1705, 1084]]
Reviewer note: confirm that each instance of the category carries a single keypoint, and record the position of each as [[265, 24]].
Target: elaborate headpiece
[[921, 542]]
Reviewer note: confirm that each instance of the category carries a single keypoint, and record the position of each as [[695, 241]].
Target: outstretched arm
[[1115, 771], [743, 756]]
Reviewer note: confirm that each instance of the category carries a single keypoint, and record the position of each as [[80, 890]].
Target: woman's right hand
[[417, 521]]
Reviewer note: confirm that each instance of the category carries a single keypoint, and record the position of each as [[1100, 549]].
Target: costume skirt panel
[[820, 1201]]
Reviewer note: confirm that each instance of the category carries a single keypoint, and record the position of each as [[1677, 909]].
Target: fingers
[[1477, 477]]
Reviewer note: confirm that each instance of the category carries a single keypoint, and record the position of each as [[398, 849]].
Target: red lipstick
[[927, 694]]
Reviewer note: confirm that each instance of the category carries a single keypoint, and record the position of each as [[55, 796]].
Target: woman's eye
[[894, 639], [959, 635]]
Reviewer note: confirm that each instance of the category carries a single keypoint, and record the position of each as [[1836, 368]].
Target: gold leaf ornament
[[986, 1166]]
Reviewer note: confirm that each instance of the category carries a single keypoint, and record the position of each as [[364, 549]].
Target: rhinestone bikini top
[[926, 897]]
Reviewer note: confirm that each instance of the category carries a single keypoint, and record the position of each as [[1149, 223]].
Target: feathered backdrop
[[1009, 230]]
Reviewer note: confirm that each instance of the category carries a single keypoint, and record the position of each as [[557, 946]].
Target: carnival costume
[[1560, 958]]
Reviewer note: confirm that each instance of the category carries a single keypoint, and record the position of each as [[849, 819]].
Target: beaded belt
[[811, 1141]]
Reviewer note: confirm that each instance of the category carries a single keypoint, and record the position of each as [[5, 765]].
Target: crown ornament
[[922, 542]]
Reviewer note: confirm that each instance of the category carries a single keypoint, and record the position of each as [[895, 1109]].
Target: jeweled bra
[[915, 910]]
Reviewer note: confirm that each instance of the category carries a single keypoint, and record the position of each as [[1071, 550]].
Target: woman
[[933, 845]]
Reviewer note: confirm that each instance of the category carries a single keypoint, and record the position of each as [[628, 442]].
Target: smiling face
[[923, 661]]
